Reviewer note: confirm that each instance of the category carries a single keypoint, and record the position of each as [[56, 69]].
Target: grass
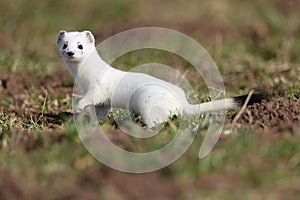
[[255, 44]]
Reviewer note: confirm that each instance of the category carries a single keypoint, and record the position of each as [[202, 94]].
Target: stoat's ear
[[89, 36], [61, 34]]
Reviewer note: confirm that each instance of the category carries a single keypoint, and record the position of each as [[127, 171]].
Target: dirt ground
[[269, 113], [277, 114], [273, 113], [272, 116]]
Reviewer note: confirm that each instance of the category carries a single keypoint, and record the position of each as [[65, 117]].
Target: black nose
[[70, 53]]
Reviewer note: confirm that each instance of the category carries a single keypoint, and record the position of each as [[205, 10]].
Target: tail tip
[[255, 98]]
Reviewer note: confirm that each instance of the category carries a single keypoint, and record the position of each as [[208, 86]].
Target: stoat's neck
[[88, 72], [72, 67], [94, 61]]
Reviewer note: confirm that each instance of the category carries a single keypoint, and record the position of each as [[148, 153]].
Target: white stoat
[[104, 87]]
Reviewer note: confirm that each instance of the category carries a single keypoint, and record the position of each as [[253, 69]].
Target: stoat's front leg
[[87, 100], [82, 104], [95, 99]]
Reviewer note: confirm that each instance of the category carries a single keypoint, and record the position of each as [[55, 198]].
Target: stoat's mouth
[[71, 57], [72, 60]]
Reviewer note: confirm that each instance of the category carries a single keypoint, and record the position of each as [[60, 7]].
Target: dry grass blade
[[242, 110]]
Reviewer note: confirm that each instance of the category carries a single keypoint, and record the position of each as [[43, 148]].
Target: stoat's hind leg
[[154, 116]]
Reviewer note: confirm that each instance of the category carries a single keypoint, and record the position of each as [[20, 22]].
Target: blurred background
[[29, 28], [255, 44], [238, 35]]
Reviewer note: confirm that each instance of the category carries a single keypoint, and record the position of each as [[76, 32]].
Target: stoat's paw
[[80, 107]]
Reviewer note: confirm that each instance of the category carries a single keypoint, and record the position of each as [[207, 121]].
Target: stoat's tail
[[223, 104]]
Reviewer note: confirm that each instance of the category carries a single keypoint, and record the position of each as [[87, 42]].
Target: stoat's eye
[[80, 46], [65, 46]]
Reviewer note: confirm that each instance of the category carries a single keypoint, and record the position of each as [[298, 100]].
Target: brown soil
[[273, 113], [96, 181], [15, 88], [28, 98], [20, 82]]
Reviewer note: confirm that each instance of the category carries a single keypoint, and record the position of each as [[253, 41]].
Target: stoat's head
[[75, 46]]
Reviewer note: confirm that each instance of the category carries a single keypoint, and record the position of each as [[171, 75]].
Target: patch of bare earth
[[32, 98], [279, 114]]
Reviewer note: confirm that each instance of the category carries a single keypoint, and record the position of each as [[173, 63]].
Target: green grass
[[256, 45]]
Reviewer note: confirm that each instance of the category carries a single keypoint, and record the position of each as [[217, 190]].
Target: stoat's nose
[[70, 53]]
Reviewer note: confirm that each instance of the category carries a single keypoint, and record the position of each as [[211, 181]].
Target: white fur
[[105, 87]]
